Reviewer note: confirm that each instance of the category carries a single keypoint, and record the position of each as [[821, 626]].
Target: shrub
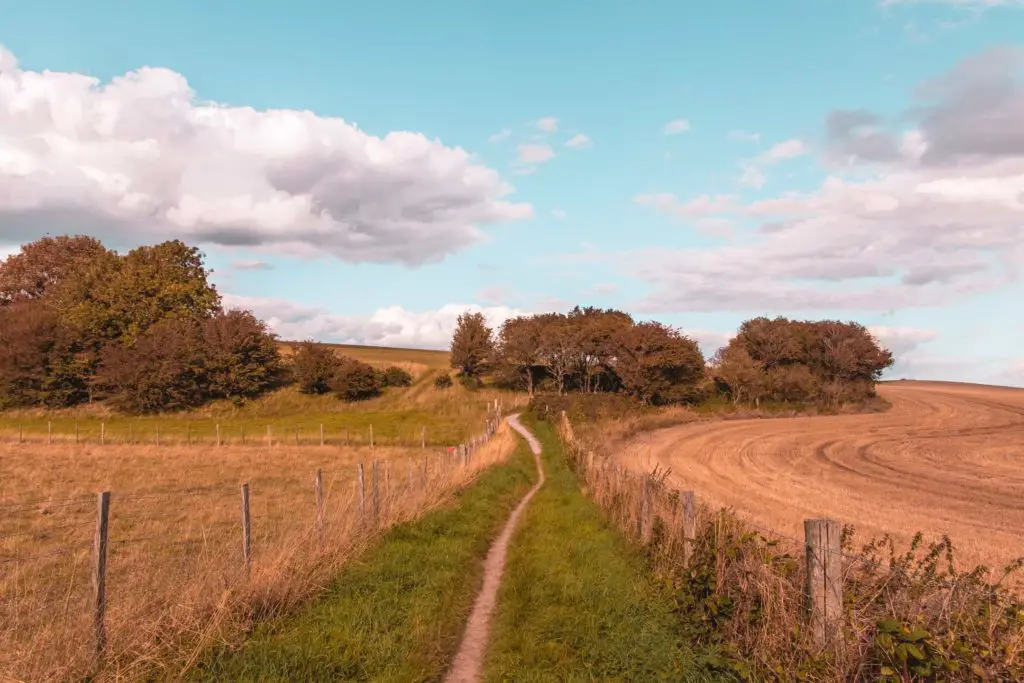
[[397, 377], [243, 358], [313, 367], [356, 381], [443, 382]]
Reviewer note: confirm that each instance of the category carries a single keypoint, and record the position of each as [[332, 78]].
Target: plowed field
[[947, 459]]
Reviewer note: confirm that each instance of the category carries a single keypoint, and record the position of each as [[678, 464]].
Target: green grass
[[578, 602], [397, 612]]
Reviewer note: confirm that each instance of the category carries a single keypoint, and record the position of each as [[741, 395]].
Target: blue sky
[[363, 172]]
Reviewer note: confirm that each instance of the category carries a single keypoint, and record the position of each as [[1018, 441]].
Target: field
[[400, 417], [947, 459], [177, 581]]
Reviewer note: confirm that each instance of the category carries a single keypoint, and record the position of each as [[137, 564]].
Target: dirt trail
[[469, 660], [946, 459]]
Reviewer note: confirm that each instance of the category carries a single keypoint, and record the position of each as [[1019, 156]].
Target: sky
[[364, 172]]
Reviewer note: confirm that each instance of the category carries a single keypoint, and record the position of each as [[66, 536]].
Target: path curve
[[470, 658], [946, 459]]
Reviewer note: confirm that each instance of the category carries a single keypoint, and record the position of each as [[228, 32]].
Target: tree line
[[594, 350]]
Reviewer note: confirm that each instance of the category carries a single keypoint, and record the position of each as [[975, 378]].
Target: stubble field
[[947, 459]]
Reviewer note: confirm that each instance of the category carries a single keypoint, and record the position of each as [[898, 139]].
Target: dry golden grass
[[946, 459], [176, 582]]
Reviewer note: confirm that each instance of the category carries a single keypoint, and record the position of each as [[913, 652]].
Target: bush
[[356, 381], [396, 377], [243, 358], [313, 367], [443, 382]]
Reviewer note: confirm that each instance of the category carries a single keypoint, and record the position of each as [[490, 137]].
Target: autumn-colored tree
[[594, 333], [742, 376], [41, 266], [356, 381], [242, 355], [518, 349], [313, 367], [163, 370], [37, 357], [557, 349], [658, 364], [472, 344]]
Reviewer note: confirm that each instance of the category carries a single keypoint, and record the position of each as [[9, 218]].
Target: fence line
[[385, 492]]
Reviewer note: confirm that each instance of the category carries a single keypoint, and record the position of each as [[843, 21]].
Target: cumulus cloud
[[579, 141], [939, 219], [548, 124], [142, 158], [677, 126], [391, 326], [535, 153]]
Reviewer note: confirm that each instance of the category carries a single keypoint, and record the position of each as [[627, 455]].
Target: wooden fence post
[[423, 437], [270, 439], [99, 573], [218, 435], [321, 435], [103, 433], [362, 488], [188, 434], [824, 577], [689, 524], [371, 436], [319, 488], [376, 493], [246, 535], [76, 432], [464, 452], [49, 432]]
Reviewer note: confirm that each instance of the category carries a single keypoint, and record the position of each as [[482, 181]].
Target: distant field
[[946, 459], [401, 417]]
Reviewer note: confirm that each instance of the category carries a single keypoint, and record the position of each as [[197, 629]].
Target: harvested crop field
[[946, 459]]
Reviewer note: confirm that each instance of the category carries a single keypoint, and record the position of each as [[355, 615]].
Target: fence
[[175, 570], [810, 604]]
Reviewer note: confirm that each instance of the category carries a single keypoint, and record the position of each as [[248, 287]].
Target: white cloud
[[391, 326], [579, 141], [744, 136], [784, 150], [502, 134], [548, 124], [752, 176], [251, 265], [535, 153], [677, 126], [560, 214], [140, 158]]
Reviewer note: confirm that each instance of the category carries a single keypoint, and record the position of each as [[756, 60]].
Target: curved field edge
[[397, 612], [578, 600]]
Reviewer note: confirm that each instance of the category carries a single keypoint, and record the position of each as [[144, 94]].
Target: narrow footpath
[[469, 661]]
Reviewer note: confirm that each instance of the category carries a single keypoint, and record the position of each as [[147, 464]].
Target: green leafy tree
[[356, 381], [243, 359], [314, 366], [472, 344]]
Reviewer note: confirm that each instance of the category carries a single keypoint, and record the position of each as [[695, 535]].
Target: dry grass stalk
[[176, 581]]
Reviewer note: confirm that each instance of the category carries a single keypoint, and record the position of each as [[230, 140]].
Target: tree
[[37, 357], [658, 364], [517, 350], [42, 266], [594, 331], [557, 347], [243, 358], [742, 375], [314, 366], [471, 344], [355, 380], [163, 369]]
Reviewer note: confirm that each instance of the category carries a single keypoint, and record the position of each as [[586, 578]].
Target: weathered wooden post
[[246, 536], [103, 433], [464, 452], [376, 493], [371, 436], [689, 525], [319, 491], [76, 432], [423, 437], [360, 476], [321, 435], [218, 434], [49, 432], [99, 574], [157, 434], [824, 577], [270, 439]]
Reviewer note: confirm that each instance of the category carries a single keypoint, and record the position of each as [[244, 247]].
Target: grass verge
[[578, 601], [397, 612]]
